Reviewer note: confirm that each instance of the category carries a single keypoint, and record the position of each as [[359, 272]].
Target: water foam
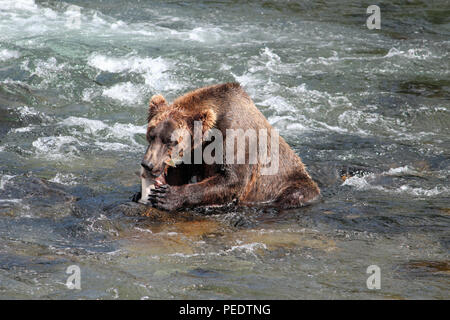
[[89, 125], [248, 247], [153, 70], [4, 180], [415, 53], [325, 61], [405, 170], [202, 34], [48, 70], [125, 92], [367, 182], [99, 133], [26, 111], [362, 182], [111, 146], [25, 16], [279, 104], [66, 179], [23, 129], [11, 200], [57, 147], [6, 54], [438, 190], [19, 5]]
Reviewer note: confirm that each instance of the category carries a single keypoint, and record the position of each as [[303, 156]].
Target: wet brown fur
[[227, 106]]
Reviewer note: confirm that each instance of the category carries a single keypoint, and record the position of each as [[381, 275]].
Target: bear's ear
[[208, 118], [155, 104]]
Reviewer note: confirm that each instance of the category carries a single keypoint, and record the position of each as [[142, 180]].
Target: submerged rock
[[26, 195], [423, 268], [132, 209], [235, 218]]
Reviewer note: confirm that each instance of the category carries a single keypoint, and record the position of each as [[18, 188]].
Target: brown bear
[[224, 110]]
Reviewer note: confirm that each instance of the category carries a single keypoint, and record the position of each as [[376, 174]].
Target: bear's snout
[[148, 166]]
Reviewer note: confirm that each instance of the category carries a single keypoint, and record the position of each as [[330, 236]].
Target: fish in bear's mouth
[[161, 179], [170, 175], [149, 182]]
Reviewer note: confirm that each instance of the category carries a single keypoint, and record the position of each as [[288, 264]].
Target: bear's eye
[[150, 137], [169, 142]]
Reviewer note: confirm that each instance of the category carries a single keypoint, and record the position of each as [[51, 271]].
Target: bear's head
[[171, 129]]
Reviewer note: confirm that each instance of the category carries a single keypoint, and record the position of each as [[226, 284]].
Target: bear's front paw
[[136, 197], [165, 198]]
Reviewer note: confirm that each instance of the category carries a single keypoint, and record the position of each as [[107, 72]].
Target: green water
[[370, 104]]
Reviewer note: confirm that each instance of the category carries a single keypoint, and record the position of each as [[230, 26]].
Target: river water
[[367, 110]]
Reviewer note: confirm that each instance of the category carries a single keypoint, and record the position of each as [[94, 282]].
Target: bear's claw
[[162, 198]]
